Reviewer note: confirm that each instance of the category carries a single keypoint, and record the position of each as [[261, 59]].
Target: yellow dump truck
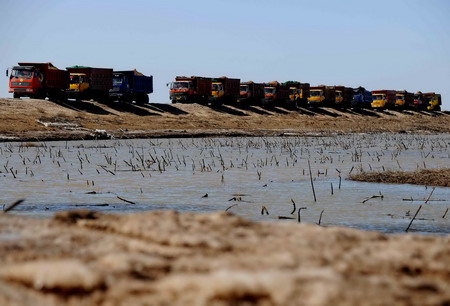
[[434, 101]]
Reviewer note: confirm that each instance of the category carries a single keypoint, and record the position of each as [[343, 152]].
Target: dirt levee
[[39, 119], [428, 177], [167, 258]]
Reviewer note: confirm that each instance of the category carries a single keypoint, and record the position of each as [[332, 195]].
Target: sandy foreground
[[169, 258]]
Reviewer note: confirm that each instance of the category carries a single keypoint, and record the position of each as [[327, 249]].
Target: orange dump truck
[[192, 89], [38, 81], [403, 99], [251, 93]]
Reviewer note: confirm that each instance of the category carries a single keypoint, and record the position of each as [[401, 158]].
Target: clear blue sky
[[395, 44]]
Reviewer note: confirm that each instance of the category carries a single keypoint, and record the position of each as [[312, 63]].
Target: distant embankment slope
[[29, 119]]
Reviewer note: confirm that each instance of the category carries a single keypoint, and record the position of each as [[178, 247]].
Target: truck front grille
[[20, 89], [20, 83]]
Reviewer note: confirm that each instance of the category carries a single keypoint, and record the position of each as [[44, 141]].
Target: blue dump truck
[[131, 85], [362, 98]]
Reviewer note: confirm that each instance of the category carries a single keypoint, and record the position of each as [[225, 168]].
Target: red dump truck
[[322, 96], [225, 90], [275, 93], [192, 89], [38, 81], [251, 93], [382, 99], [90, 83]]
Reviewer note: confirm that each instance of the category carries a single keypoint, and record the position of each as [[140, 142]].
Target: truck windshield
[[217, 87], [22, 73], [74, 79], [117, 80], [400, 97], [243, 88], [338, 94], [379, 97], [315, 93], [180, 85], [269, 90]]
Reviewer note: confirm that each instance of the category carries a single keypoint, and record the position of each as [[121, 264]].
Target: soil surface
[[28, 119], [428, 177], [167, 258]]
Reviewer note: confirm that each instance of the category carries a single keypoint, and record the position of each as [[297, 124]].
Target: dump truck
[[225, 90], [434, 101], [321, 96], [275, 93], [403, 99], [251, 93], [362, 98], [88, 83], [131, 85], [38, 81], [383, 99], [192, 89], [298, 93], [420, 101], [343, 96]]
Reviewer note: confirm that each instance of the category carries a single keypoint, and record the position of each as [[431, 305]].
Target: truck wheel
[[142, 99], [16, 96]]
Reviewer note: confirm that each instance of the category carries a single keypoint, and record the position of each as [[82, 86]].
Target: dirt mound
[[28, 119], [427, 177], [168, 258]]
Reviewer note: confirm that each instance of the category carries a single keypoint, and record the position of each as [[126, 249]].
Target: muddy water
[[238, 174]]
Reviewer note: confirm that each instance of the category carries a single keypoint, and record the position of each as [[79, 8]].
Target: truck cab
[[295, 94], [339, 97], [400, 100], [244, 91], [383, 99], [120, 83], [217, 90], [316, 96], [362, 98], [270, 94], [434, 101], [24, 81], [78, 83], [179, 91]]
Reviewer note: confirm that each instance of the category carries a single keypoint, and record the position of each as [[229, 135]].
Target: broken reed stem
[[446, 211], [412, 220], [430, 195], [10, 207], [320, 218], [299, 217], [230, 207], [125, 200], [293, 203], [312, 183], [264, 210]]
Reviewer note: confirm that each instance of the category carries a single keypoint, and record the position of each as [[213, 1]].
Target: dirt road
[[29, 119]]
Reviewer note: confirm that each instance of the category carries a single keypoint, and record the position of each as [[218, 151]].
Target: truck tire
[[16, 96], [142, 99]]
